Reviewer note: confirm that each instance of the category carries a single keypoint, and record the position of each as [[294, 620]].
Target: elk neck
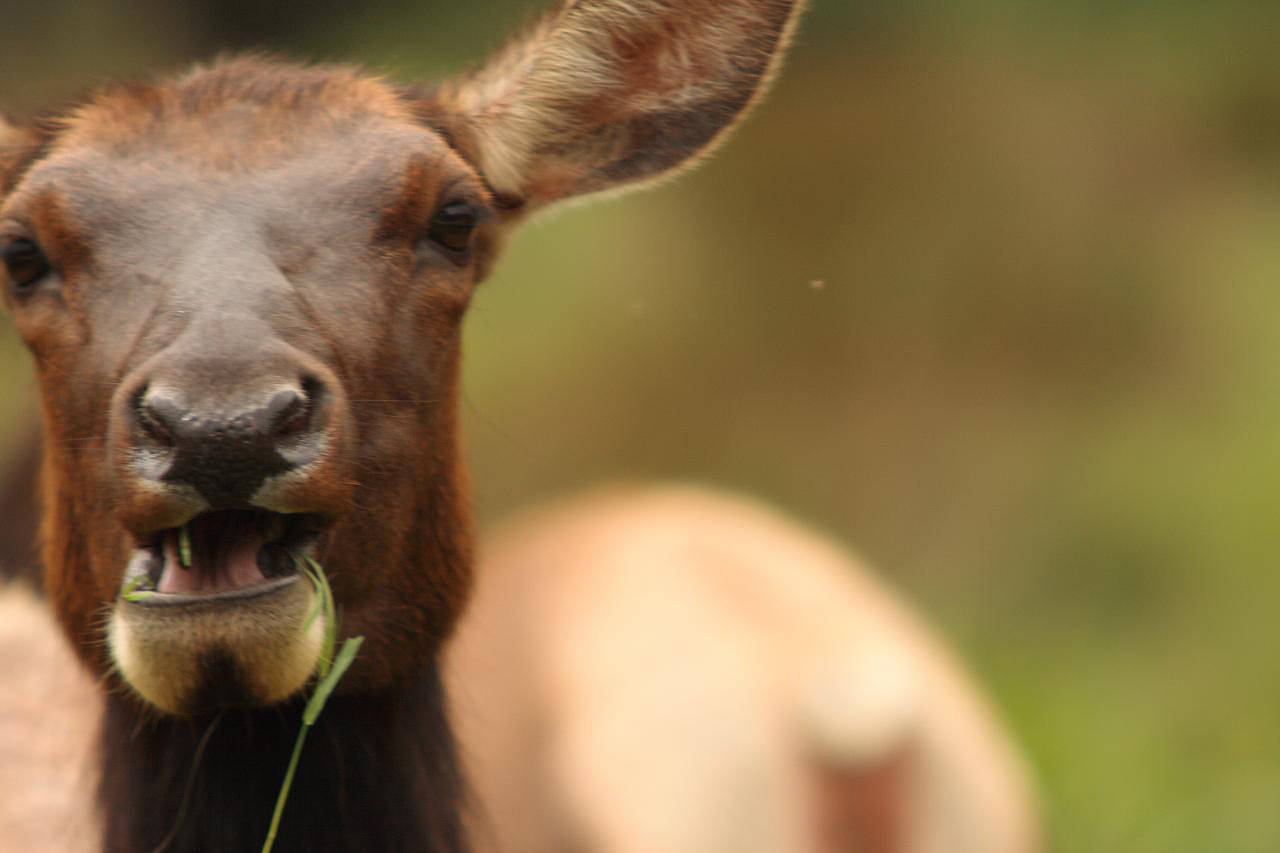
[[378, 772]]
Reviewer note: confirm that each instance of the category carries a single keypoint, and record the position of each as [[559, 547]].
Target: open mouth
[[221, 554]]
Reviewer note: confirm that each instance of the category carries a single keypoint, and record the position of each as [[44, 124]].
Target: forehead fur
[[232, 112]]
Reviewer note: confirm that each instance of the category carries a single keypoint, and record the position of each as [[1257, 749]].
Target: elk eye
[[25, 263], [452, 225]]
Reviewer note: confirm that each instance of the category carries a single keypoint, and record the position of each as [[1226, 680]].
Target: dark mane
[[377, 773]]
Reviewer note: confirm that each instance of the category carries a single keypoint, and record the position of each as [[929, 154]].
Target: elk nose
[[226, 454]]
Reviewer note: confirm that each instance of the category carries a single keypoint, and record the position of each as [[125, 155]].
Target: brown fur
[[18, 473], [289, 103]]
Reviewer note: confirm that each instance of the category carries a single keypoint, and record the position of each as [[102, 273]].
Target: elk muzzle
[[230, 473]]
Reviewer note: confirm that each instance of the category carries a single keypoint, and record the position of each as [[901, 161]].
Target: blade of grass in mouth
[[330, 670], [316, 572], [133, 590]]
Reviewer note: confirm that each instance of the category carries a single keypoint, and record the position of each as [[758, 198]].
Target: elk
[[667, 668], [242, 288]]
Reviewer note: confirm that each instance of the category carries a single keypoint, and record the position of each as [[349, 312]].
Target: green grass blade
[[330, 681], [317, 576], [317, 603], [330, 671], [131, 592], [284, 791], [315, 607]]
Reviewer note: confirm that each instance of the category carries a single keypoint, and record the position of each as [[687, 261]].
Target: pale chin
[[272, 641]]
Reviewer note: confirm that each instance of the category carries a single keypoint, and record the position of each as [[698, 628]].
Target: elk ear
[[602, 94]]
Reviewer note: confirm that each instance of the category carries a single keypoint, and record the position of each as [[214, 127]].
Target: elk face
[[243, 291], [244, 315]]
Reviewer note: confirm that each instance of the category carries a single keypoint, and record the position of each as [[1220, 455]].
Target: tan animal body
[[671, 669], [239, 285], [49, 714]]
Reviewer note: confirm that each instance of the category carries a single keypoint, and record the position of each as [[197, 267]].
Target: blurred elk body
[[243, 289], [672, 669], [49, 712]]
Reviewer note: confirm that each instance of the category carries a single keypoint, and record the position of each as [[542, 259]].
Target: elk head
[[243, 288]]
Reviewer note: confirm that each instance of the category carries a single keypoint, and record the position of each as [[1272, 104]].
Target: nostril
[[288, 413], [312, 388], [158, 418]]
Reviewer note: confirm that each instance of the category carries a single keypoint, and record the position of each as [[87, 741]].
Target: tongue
[[237, 566]]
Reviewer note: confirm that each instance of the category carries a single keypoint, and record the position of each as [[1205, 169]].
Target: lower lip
[[213, 599]]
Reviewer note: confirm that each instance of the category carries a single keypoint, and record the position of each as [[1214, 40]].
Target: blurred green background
[[987, 289]]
